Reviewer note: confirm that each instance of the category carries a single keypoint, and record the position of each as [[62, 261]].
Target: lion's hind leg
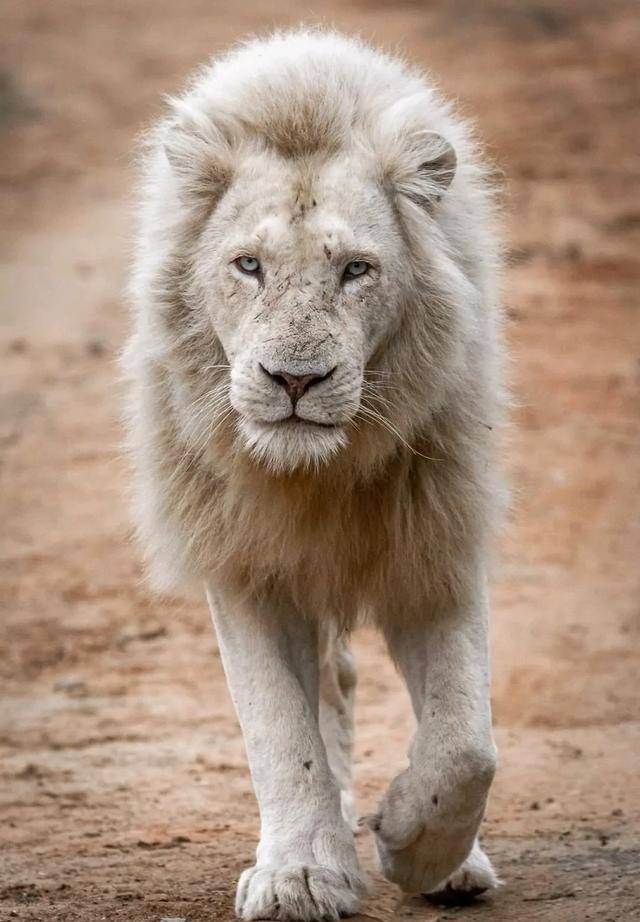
[[337, 700]]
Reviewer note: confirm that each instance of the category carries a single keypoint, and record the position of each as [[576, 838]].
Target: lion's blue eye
[[355, 268], [248, 264]]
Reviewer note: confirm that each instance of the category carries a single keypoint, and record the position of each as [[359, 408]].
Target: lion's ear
[[424, 167], [198, 153]]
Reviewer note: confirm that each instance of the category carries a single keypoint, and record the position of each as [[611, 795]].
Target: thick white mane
[[307, 97]]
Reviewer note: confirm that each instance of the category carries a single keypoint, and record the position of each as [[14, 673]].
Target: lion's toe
[[304, 893]]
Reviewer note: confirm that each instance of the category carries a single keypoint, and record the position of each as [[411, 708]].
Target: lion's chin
[[291, 444]]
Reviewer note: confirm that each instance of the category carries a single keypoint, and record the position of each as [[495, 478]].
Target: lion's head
[[306, 240], [301, 269]]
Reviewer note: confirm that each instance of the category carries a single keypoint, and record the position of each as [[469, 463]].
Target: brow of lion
[[370, 414]]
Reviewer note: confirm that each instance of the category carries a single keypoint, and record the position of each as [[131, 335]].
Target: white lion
[[315, 386]]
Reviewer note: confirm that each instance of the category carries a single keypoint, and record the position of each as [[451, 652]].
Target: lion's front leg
[[306, 864], [428, 820]]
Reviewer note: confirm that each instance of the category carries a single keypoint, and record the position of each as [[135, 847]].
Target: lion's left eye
[[355, 268], [248, 264]]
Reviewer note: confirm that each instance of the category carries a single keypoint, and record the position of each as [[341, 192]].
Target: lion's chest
[[334, 549]]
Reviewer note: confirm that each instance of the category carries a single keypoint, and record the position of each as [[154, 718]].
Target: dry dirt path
[[123, 786]]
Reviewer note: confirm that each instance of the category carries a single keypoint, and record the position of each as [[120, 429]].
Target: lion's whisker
[[371, 414]]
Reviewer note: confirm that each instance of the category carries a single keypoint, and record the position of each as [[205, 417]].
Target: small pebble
[[95, 347], [71, 686]]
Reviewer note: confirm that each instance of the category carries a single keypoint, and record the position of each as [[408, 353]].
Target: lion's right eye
[[248, 264], [356, 268]]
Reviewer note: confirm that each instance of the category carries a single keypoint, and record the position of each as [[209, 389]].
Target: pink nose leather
[[295, 385]]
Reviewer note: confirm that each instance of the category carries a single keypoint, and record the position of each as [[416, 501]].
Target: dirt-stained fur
[[318, 150]]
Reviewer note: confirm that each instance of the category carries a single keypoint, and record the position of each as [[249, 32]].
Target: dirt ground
[[123, 783]]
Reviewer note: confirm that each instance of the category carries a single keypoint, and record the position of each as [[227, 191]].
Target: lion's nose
[[296, 385]]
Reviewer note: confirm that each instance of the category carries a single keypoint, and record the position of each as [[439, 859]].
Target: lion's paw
[[419, 846], [424, 863], [305, 893], [472, 878]]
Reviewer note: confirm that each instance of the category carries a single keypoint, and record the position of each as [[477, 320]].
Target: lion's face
[[301, 271]]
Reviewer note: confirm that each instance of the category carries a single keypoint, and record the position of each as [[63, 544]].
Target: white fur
[[306, 865], [307, 151], [473, 877], [428, 820]]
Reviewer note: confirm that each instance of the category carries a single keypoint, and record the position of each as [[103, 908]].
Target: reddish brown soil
[[124, 789]]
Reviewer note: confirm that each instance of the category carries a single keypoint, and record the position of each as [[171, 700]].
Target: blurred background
[[123, 783]]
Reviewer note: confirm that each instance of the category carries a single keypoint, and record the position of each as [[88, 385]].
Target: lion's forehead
[[316, 240], [289, 210]]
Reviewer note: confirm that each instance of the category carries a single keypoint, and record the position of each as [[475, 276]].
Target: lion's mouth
[[296, 420]]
